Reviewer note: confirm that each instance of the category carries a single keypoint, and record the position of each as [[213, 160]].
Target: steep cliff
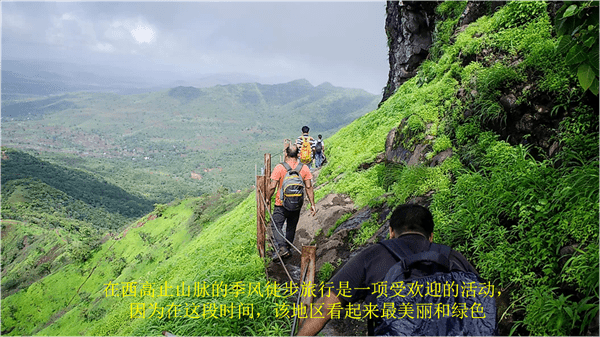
[[410, 29], [485, 121]]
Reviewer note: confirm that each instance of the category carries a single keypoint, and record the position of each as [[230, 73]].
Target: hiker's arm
[[311, 196], [272, 186], [312, 326]]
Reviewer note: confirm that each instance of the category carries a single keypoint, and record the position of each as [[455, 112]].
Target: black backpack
[[291, 193], [319, 146], [428, 296]]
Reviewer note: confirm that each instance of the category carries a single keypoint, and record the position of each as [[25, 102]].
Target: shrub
[[325, 272]]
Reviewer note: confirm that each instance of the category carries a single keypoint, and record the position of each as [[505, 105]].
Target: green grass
[[366, 231], [167, 254], [339, 221], [325, 272], [506, 211]]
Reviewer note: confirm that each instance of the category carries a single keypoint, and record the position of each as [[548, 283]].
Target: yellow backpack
[[305, 151]]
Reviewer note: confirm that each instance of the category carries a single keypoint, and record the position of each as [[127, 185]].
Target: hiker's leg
[[318, 160], [292, 221], [277, 221]]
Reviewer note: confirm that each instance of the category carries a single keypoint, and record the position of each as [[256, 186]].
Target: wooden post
[[260, 215], [307, 262], [267, 178]]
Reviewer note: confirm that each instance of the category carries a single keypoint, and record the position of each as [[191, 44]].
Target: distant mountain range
[[180, 135], [26, 78]]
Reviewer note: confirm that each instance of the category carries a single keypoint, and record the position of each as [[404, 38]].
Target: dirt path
[[57, 233], [139, 224]]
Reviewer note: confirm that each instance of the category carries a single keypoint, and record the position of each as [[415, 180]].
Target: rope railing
[[278, 231], [263, 206]]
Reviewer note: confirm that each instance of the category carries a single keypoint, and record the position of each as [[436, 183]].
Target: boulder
[[440, 157], [418, 155], [397, 151]]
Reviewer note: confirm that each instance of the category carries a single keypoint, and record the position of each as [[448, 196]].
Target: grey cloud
[[342, 43]]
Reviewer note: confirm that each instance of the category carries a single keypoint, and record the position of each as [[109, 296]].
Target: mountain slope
[[75, 185], [494, 134], [173, 247], [498, 138]]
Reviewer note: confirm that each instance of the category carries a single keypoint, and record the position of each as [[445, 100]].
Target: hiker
[[306, 144], [319, 152], [288, 207], [411, 226]]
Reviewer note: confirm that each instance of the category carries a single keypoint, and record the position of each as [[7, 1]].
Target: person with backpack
[[412, 286], [306, 144], [319, 152], [294, 181]]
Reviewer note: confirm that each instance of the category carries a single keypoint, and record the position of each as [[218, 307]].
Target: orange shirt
[[279, 173]]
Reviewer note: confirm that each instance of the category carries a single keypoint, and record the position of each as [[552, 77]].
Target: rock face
[[440, 157], [394, 151], [399, 150], [409, 26], [330, 209]]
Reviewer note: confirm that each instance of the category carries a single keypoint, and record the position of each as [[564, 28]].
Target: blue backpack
[[291, 192], [427, 296]]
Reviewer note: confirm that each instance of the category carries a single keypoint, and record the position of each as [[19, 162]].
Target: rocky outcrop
[[395, 150], [400, 149], [409, 27], [477, 9], [330, 209], [440, 157]]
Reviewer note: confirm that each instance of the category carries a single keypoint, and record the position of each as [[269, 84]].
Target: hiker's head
[[292, 151], [305, 129], [320, 137], [411, 218]]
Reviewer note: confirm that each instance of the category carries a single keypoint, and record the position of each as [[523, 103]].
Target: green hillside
[[76, 193], [31, 200], [518, 195], [157, 259], [513, 207], [182, 141]]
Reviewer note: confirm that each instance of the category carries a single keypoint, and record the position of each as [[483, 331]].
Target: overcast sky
[[343, 43]]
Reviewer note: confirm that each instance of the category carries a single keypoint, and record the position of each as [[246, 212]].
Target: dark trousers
[[280, 215]]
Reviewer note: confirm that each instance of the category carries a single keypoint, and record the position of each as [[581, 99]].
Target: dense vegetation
[[518, 197], [31, 200], [75, 185], [511, 205], [187, 245]]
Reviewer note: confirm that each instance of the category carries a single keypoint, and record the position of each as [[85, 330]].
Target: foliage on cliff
[[519, 196]]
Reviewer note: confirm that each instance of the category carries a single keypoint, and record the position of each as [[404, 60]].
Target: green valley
[[184, 141]]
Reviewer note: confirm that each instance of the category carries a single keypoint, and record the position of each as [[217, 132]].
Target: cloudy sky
[[343, 43]]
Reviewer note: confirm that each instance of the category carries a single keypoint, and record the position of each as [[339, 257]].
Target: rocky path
[[329, 249]]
